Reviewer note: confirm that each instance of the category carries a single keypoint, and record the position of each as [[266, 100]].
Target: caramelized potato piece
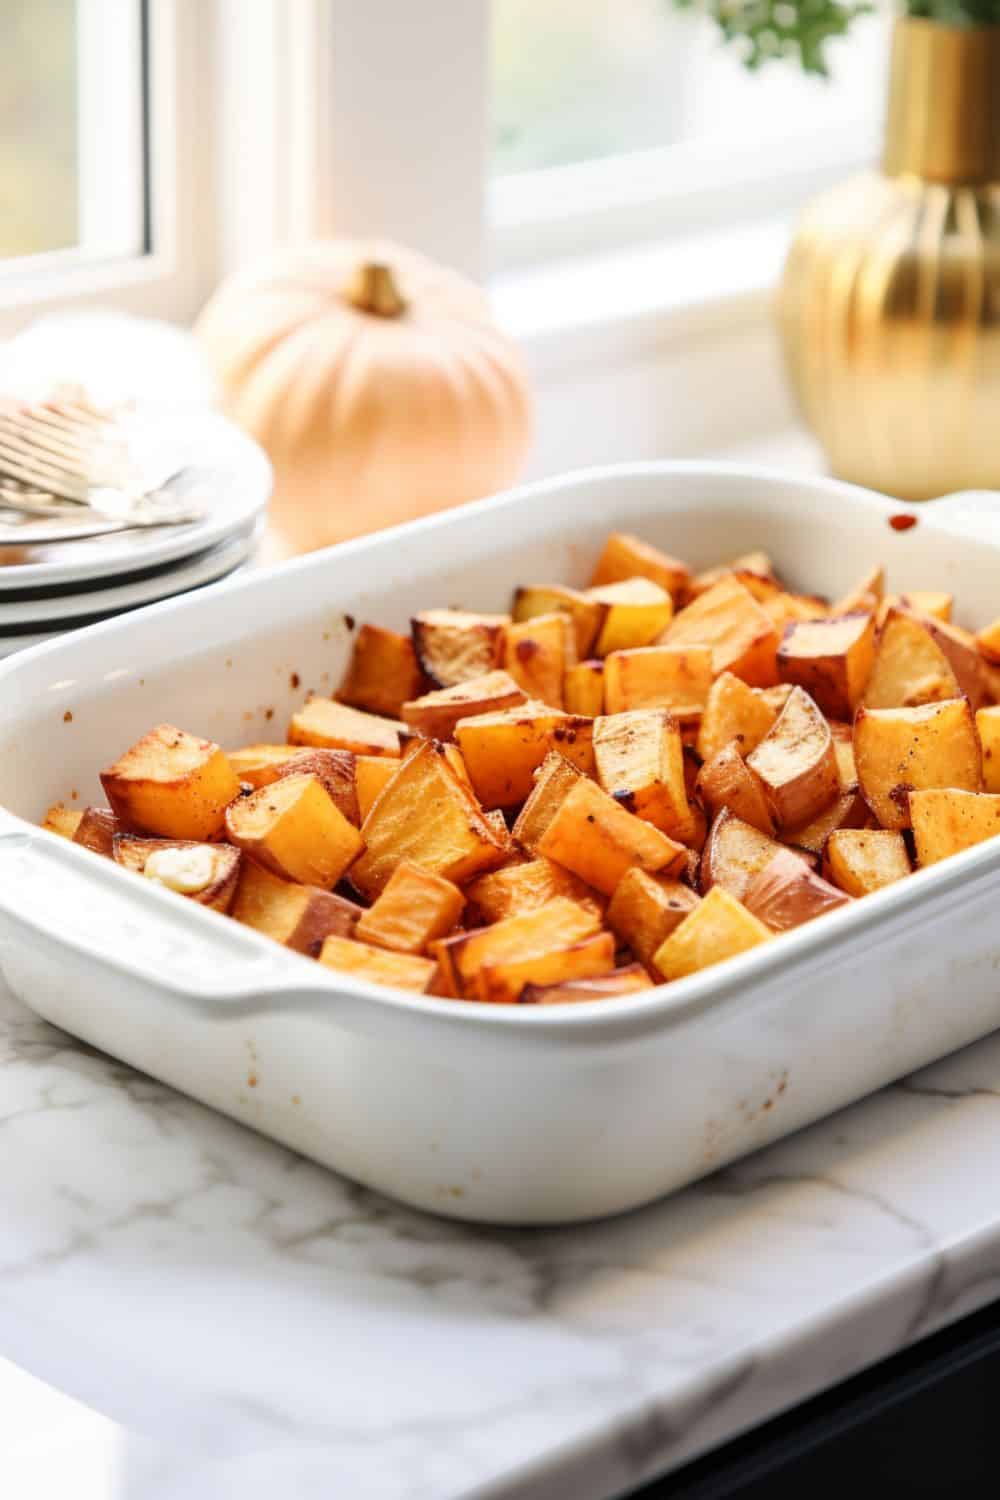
[[537, 655], [454, 645], [945, 821], [525, 887], [787, 893], [734, 711], [900, 750], [626, 981], [504, 982], [425, 815], [553, 779], [718, 928], [96, 831], [531, 934], [831, 658], [371, 774], [636, 611], [415, 907], [383, 673], [910, 668], [299, 917], [742, 635], [626, 556], [796, 763], [400, 971], [206, 873], [645, 909], [599, 840], [503, 750], [583, 689], [675, 677], [334, 726], [171, 784], [295, 830], [586, 614], [734, 853], [988, 727], [727, 781], [62, 820], [639, 760], [436, 714], [862, 860]]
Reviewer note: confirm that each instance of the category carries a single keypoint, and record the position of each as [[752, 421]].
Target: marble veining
[[257, 1320]]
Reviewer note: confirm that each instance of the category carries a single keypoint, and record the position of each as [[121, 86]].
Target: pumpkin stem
[[373, 289]]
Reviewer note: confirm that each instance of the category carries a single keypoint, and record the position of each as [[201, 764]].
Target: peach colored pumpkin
[[376, 382]]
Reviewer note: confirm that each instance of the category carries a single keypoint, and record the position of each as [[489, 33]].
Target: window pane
[[576, 80], [38, 126], [71, 127]]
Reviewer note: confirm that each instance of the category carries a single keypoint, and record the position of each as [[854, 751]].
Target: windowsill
[[636, 299]]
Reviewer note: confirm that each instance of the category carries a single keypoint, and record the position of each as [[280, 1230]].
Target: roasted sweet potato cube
[[960, 649], [171, 784], [742, 635], [504, 982], [843, 751], [988, 727], [757, 563], [718, 928], [383, 673], [259, 765], [727, 781], [645, 909], [796, 762], [371, 774], [525, 887], [206, 873], [96, 831], [425, 815], [946, 820], [626, 556], [334, 726], [787, 893], [502, 751], [449, 752], [900, 750], [586, 614], [553, 779], [583, 689], [831, 658], [626, 981], [991, 682], [436, 714], [733, 712], [415, 907], [988, 641], [849, 810], [454, 645], [300, 917], [864, 595], [553, 927], [673, 677], [636, 610], [639, 760], [862, 860], [263, 765], [537, 654], [596, 838], [786, 609], [734, 853], [62, 820], [400, 971], [909, 668], [295, 829]]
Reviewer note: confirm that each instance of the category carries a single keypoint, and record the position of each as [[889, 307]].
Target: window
[[72, 129], [601, 109]]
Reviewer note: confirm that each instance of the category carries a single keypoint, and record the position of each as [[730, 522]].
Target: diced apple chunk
[[718, 928], [946, 820], [862, 860], [298, 916], [296, 831], [401, 971], [599, 840], [334, 726], [172, 785], [901, 750], [415, 907], [383, 673]]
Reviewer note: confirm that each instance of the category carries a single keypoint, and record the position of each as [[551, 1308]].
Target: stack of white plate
[[47, 590]]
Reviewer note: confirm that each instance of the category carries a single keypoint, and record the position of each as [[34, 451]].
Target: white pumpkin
[[375, 380]]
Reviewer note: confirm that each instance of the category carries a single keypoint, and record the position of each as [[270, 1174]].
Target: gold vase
[[890, 301]]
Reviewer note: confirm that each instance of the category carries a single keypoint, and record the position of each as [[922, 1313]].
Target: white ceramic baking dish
[[505, 1114]]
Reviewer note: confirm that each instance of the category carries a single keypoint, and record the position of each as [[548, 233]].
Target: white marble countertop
[[259, 1320]]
